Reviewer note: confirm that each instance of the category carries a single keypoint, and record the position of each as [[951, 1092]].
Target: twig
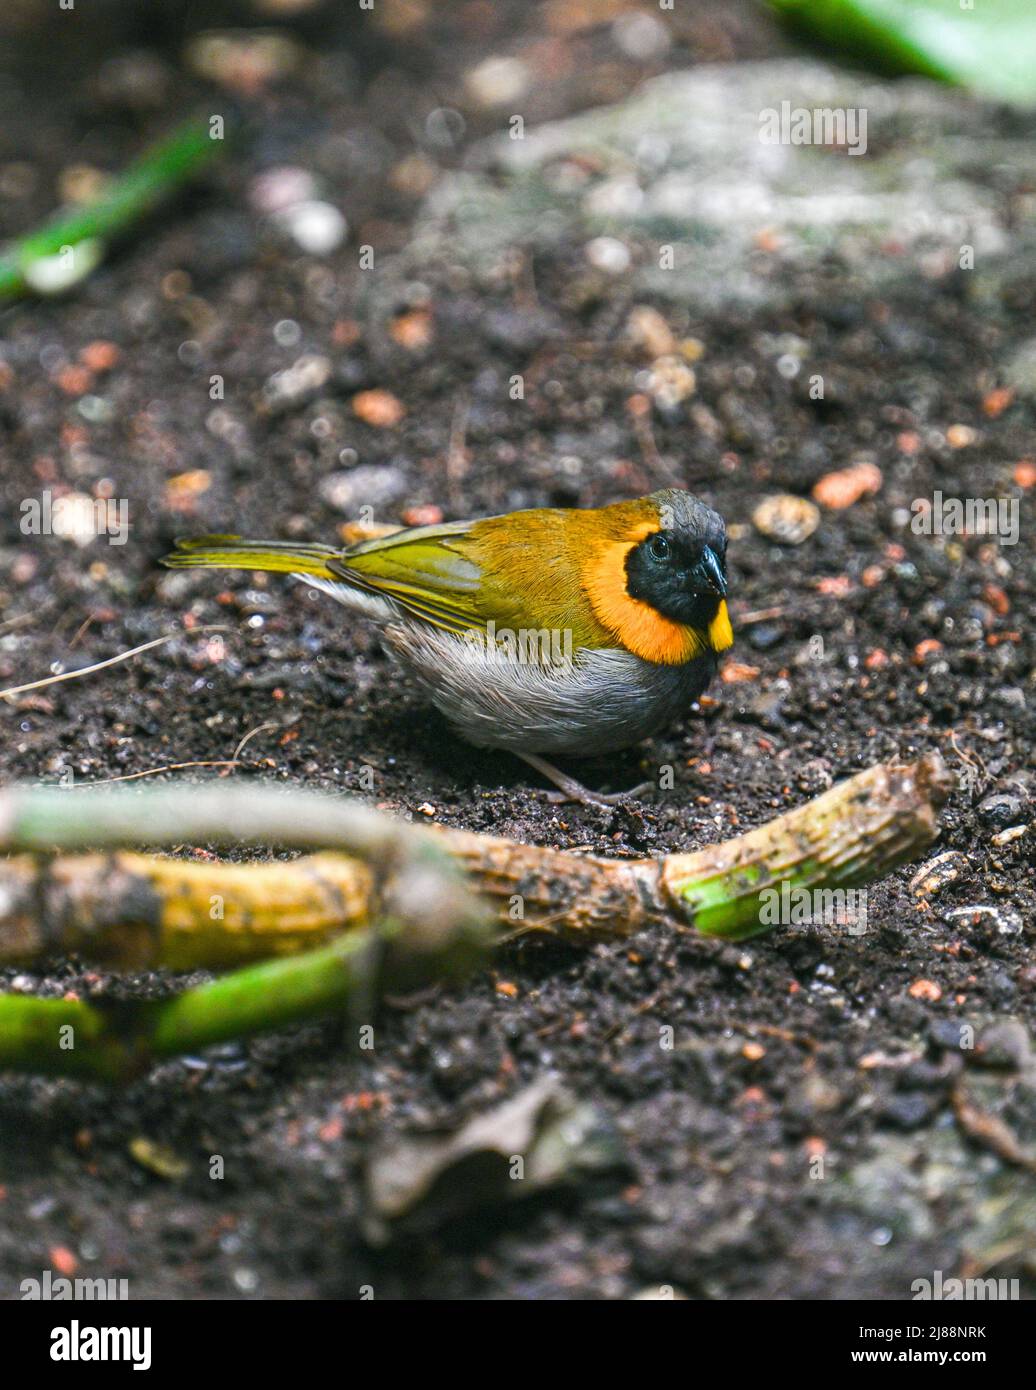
[[23, 619], [759, 615], [154, 772], [111, 661], [854, 833], [252, 733]]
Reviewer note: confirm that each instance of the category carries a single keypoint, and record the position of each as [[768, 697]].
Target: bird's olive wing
[[428, 570]]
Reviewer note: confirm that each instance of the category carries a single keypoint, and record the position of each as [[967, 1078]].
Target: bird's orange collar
[[638, 626]]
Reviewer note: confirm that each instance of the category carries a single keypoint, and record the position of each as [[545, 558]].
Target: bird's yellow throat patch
[[639, 627], [721, 634]]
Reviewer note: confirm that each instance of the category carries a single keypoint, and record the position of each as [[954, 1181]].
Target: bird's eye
[[659, 547]]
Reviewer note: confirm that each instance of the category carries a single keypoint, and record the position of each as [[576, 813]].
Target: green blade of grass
[[81, 234]]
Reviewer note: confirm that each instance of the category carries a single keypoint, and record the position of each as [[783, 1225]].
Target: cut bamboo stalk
[[429, 927], [139, 911], [134, 910]]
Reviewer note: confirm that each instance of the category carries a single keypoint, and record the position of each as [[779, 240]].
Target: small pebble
[[95, 409], [1005, 837], [1001, 810], [317, 228], [287, 333], [960, 436], [81, 183], [1004, 1044], [370, 485], [99, 356], [158, 1158], [763, 636], [932, 877], [641, 36], [379, 408], [946, 1033], [74, 517], [425, 514], [497, 81], [275, 190], [296, 383], [927, 990], [786, 518], [670, 382], [648, 329], [608, 254], [846, 486], [910, 1110]]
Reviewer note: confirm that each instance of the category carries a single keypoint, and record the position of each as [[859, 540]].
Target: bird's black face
[[682, 577]]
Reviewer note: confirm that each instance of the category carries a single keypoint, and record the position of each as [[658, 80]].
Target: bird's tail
[[236, 553]]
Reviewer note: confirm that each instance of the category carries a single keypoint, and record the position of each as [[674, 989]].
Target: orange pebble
[[925, 648], [99, 356], [345, 333], [74, 381], [927, 990], [846, 486], [735, 671], [378, 408], [428, 514], [834, 586], [63, 1260], [997, 599], [412, 331]]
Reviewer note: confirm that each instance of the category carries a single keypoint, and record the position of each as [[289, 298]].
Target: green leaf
[[988, 46]]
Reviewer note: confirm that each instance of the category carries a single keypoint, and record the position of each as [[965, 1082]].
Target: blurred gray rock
[[681, 163]]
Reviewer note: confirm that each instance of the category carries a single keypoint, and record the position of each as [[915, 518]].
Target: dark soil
[[720, 1201]]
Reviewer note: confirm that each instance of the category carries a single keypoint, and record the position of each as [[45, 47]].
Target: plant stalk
[[129, 197]]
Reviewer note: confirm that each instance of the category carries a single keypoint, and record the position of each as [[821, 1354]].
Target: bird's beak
[[708, 574]]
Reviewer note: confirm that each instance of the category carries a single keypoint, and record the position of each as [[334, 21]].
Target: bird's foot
[[571, 790]]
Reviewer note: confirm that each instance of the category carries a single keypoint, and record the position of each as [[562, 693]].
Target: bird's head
[[665, 598], [680, 568]]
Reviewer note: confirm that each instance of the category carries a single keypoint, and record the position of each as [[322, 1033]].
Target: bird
[[548, 632]]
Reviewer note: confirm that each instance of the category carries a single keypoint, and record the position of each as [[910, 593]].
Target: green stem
[[261, 997], [118, 1042], [38, 819], [852, 835], [154, 177], [62, 1037]]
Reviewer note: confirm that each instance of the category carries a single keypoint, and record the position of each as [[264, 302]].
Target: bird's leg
[[571, 790]]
